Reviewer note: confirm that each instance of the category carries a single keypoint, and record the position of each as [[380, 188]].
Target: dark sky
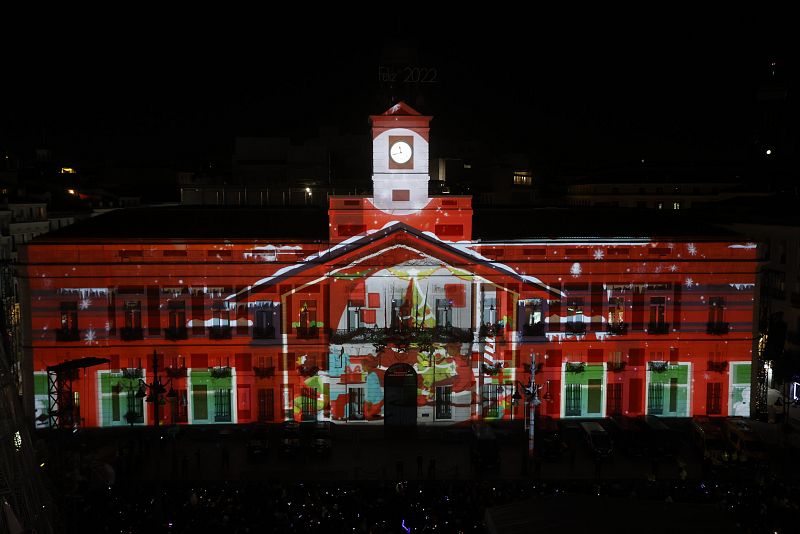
[[668, 87]]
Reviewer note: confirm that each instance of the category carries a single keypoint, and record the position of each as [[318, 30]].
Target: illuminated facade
[[400, 313]]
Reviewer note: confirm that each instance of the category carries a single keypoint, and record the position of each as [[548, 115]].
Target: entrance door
[[400, 406]]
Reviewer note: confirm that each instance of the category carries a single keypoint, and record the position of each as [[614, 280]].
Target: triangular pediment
[[395, 244]]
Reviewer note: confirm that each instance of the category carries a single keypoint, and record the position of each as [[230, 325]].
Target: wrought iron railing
[[533, 330], [264, 332], [575, 328], [175, 333], [64, 334], [619, 329], [219, 332], [658, 328], [717, 367], [176, 372], [264, 372], [131, 333], [717, 328]]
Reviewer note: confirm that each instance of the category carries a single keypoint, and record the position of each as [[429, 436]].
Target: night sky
[[670, 88]]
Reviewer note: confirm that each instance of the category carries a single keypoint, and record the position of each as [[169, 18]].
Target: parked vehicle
[[708, 439], [257, 444], [549, 443], [661, 440], [321, 441], [629, 437], [290, 437], [597, 439], [745, 443], [484, 450]]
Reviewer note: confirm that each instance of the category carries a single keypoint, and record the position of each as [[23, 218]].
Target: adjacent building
[[397, 308]]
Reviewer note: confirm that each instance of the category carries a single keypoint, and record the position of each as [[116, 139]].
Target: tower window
[[523, 178]]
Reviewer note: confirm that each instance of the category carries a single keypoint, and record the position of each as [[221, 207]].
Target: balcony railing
[[132, 373], [437, 334], [617, 367], [717, 328], [131, 333], [176, 333], [575, 328], [68, 335], [307, 332], [176, 372], [619, 329], [264, 332], [533, 330], [219, 332], [264, 372], [220, 372], [717, 367], [658, 328]]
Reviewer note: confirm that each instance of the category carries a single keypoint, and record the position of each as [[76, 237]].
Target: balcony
[[533, 330], [264, 372], [617, 367], [264, 332], [658, 328], [618, 329], [68, 335], [131, 333], [220, 372], [132, 373], [219, 332], [575, 328], [307, 332], [491, 330], [176, 372], [717, 367], [717, 328], [176, 333]]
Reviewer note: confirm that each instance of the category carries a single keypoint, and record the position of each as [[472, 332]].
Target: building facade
[[396, 309]]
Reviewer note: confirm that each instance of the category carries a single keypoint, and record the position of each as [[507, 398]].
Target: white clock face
[[400, 152]]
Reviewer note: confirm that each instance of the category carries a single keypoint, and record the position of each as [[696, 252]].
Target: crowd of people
[[766, 505]]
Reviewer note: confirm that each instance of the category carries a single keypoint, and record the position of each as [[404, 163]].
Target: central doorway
[[400, 401]]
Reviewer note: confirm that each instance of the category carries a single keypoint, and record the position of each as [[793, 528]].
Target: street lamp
[[154, 391], [531, 402]]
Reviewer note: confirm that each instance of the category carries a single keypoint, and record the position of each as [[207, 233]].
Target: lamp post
[[531, 402], [153, 391]]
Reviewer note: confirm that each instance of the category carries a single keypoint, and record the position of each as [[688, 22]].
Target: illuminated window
[[523, 178], [676, 205]]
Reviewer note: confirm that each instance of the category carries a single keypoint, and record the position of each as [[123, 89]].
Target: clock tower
[[400, 159]]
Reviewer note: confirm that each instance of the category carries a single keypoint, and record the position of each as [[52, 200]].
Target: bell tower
[[400, 159]]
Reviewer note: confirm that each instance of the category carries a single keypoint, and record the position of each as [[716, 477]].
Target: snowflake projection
[[673, 268], [658, 269], [108, 327], [689, 282], [598, 254], [692, 249], [575, 270], [84, 303], [90, 337]]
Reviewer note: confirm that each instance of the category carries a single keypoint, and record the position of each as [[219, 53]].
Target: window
[[658, 310], [135, 412], [533, 318], [264, 327], [615, 398], [660, 205], [572, 406], [491, 394], [222, 406], [220, 315], [616, 313], [308, 404], [490, 310], [444, 402], [266, 404], [308, 319], [69, 316], [676, 205], [714, 398], [655, 398], [354, 315], [575, 317], [356, 404], [444, 313], [523, 178], [716, 310], [177, 319]]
